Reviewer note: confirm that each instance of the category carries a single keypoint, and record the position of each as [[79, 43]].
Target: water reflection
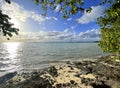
[[11, 56], [12, 49]]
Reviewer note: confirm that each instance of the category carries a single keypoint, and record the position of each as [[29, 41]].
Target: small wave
[[2, 70], [2, 64], [46, 62], [1, 59], [4, 59]]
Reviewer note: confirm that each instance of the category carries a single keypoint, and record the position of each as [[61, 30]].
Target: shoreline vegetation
[[96, 73]]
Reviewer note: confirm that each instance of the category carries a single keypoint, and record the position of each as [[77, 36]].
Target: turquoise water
[[18, 56]]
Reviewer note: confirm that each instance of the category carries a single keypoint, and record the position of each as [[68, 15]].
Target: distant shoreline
[[51, 41]]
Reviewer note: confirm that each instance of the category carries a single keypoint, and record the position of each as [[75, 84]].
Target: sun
[[15, 22]]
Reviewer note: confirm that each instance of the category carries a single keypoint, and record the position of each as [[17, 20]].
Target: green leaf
[[8, 1]]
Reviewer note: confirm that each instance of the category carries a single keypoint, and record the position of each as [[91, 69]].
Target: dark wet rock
[[72, 81], [7, 77], [64, 85], [53, 71], [68, 84], [85, 66], [90, 70], [35, 83], [94, 85], [106, 71], [84, 81], [35, 77], [58, 85], [78, 74], [34, 73], [71, 67], [42, 83], [61, 68], [69, 62]]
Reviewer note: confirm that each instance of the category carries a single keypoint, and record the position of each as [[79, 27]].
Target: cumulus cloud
[[16, 11], [54, 35], [89, 35], [96, 12]]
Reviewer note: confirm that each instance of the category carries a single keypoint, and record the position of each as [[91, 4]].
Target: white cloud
[[73, 27], [92, 16], [90, 34], [45, 36], [16, 11], [55, 18], [69, 19], [66, 30], [57, 8], [54, 35]]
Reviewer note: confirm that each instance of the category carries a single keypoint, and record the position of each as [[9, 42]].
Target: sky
[[34, 27]]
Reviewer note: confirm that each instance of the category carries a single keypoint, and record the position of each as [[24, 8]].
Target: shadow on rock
[[94, 85]]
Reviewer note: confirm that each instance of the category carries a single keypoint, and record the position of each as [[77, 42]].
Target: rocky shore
[[98, 73]]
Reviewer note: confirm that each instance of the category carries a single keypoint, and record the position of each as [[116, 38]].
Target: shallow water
[[18, 56]]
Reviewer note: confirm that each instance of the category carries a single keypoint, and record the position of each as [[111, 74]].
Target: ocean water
[[20, 57]]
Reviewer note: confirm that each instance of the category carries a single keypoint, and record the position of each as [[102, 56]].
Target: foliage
[[67, 7], [6, 26], [8, 1], [110, 29]]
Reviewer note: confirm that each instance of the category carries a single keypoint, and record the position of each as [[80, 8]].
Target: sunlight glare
[[15, 22], [12, 49]]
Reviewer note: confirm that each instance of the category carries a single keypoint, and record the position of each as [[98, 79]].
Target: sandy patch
[[91, 76], [66, 74]]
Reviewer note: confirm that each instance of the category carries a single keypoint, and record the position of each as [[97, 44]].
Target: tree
[[67, 8], [110, 22], [110, 30], [6, 26]]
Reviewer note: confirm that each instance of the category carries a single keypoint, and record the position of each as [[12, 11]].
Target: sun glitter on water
[[12, 49]]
